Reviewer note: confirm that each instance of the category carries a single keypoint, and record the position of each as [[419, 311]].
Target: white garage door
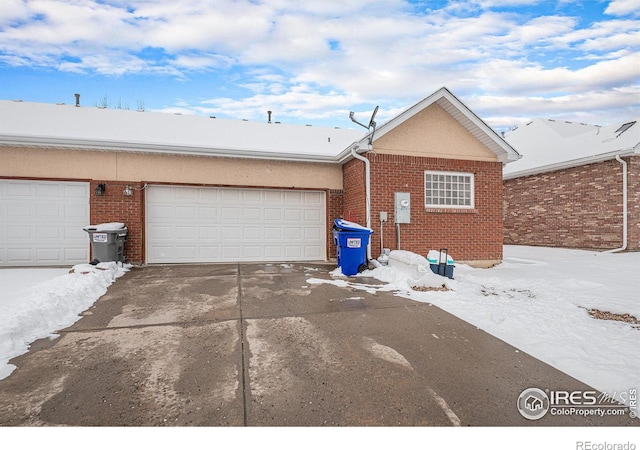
[[207, 224], [41, 223]]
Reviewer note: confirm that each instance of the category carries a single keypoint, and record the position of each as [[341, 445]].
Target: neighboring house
[[569, 188], [218, 190]]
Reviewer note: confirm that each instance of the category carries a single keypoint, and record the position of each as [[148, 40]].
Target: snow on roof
[[49, 125], [547, 145]]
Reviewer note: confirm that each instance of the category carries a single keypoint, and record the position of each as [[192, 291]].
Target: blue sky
[[311, 62]]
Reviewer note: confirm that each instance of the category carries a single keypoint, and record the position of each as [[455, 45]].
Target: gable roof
[[460, 112], [549, 145], [68, 126]]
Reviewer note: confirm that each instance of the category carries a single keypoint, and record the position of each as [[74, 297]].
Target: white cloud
[[623, 7], [317, 59]]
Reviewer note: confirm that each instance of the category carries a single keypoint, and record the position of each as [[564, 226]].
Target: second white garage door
[[41, 222], [209, 224]]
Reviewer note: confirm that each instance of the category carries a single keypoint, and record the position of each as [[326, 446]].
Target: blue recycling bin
[[351, 241]]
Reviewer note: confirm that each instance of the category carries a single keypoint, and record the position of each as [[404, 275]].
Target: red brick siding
[[115, 207], [334, 211], [579, 207], [469, 235], [633, 201], [354, 207]]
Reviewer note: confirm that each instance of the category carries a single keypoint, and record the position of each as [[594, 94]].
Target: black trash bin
[[107, 241]]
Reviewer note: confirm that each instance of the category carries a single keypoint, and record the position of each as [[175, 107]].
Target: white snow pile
[[39, 311], [406, 271], [110, 226], [538, 300]]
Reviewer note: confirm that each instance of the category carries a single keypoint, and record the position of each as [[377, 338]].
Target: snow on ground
[[35, 303], [537, 300]]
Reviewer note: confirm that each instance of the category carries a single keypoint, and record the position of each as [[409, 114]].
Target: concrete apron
[[257, 345]]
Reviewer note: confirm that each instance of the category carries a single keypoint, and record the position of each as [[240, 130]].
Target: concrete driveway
[[256, 345]]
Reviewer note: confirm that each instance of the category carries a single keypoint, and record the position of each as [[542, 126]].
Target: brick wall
[[633, 203], [334, 211], [470, 235], [580, 207], [114, 206], [354, 206]]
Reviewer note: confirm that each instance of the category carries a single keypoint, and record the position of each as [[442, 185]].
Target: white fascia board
[[573, 163], [138, 147]]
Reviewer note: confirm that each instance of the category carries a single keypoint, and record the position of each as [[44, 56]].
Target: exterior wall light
[[128, 191], [100, 189]]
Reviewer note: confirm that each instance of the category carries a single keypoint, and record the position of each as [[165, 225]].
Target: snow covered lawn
[[538, 300], [35, 303]]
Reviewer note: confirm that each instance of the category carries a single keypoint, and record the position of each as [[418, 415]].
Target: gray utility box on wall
[[106, 244], [402, 211]]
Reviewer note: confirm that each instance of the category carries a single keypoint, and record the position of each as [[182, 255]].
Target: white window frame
[[450, 194]]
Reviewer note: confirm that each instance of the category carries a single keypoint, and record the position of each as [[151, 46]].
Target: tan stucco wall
[[433, 133], [99, 165]]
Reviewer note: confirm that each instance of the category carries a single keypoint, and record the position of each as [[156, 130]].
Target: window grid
[[448, 190]]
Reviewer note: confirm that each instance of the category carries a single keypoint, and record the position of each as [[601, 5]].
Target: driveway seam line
[[242, 349]]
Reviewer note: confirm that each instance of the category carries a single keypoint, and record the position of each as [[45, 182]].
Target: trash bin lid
[[104, 227], [350, 226]]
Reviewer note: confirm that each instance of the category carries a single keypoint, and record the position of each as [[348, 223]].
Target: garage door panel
[[252, 234], [42, 222], [230, 213], [49, 211], [20, 256], [186, 212], [19, 189], [231, 195], [207, 212], [231, 233], [186, 233], [48, 255], [273, 214], [252, 196], [73, 190], [292, 234], [74, 213], [19, 210], [49, 233], [49, 190], [311, 215], [209, 233], [231, 253], [251, 214], [292, 215], [185, 194], [273, 233], [234, 224]]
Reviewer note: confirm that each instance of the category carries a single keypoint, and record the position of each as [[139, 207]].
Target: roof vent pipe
[[269, 116], [77, 99]]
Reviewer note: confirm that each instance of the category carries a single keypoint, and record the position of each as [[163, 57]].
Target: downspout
[[624, 207], [367, 187]]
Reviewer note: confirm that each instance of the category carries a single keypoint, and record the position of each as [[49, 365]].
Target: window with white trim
[[448, 189]]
